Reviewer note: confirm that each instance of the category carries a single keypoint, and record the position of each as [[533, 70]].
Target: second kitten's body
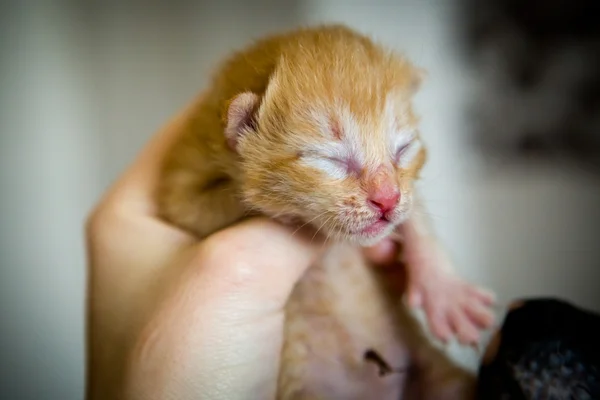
[[338, 312]]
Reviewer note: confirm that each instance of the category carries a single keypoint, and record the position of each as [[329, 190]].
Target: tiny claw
[[444, 338], [481, 317], [465, 332], [475, 346], [441, 330]]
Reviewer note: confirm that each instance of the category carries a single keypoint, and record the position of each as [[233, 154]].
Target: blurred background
[[510, 112]]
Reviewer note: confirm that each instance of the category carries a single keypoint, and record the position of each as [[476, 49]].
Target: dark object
[[384, 367], [546, 349], [539, 68]]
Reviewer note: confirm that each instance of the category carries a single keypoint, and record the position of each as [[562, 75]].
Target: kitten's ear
[[240, 117]]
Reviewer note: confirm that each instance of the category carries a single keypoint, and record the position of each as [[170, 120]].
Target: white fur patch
[[400, 138], [351, 135], [332, 158], [333, 168], [400, 134], [336, 158], [340, 158]]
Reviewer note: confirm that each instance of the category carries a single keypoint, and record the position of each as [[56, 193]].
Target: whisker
[[323, 224], [326, 240], [308, 222]]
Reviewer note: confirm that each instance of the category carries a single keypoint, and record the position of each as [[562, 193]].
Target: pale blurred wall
[[82, 88]]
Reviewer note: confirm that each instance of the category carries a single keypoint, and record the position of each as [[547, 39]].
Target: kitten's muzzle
[[383, 193]]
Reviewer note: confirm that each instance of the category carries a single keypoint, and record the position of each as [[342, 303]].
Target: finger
[[487, 297], [438, 323], [465, 331], [383, 253], [479, 315], [441, 329]]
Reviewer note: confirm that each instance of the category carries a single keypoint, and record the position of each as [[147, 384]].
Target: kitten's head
[[335, 146]]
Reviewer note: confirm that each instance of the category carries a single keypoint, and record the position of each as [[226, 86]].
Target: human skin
[[172, 318]]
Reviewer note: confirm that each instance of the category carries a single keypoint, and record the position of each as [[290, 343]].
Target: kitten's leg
[[452, 305]]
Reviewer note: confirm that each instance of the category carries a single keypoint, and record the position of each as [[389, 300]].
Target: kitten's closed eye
[[336, 164], [401, 151], [339, 161], [349, 164], [337, 168], [406, 152]]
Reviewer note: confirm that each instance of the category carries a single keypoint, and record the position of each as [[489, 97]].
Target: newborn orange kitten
[[316, 126]]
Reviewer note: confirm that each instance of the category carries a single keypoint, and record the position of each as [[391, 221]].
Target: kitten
[[316, 126]]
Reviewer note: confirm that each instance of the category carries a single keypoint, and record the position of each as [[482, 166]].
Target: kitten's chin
[[369, 236], [371, 240], [365, 237]]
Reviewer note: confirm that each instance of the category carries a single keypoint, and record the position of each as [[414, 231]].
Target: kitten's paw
[[453, 307]]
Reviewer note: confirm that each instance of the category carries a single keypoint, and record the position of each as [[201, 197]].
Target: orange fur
[[310, 83]]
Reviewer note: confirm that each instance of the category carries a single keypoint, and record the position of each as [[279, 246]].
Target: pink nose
[[385, 200]]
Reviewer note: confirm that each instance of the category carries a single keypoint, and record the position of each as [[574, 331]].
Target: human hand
[[173, 318]]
